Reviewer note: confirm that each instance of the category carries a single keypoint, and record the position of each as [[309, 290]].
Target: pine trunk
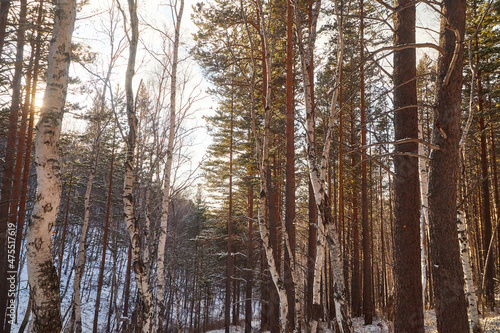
[[447, 273], [367, 264], [489, 270], [249, 275], [9, 298], [408, 311], [4, 14]]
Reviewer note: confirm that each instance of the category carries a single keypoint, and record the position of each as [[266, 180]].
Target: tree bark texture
[[489, 270], [367, 246], [131, 224], [408, 311], [11, 184], [470, 289], [168, 167], [42, 275], [290, 173], [448, 280]]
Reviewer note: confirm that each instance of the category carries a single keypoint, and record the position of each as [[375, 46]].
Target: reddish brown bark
[[367, 264], [356, 274], [408, 310], [4, 14], [489, 270], [249, 276], [448, 280]]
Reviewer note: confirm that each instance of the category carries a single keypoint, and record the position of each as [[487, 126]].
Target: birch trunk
[[470, 290], [82, 245], [424, 200], [138, 265], [262, 151], [168, 170], [42, 275], [327, 232]]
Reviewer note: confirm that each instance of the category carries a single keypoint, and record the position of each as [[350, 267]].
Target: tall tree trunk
[[311, 250], [327, 231], [424, 203], [65, 228], [229, 260], [470, 289], [249, 275], [100, 278], [367, 264], [448, 281], [495, 181], [42, 275], [128, 199], [82, 246], [290, 172], [12, 181], [489, 270], [4, 15], [356, 274], [262, 150], [21, 216], [168, 167], [408, 311]]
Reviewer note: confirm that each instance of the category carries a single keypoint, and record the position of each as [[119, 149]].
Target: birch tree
[[42, 275], [470, 289], [177, 16], [140, 269], [327, 232], [262, 151]]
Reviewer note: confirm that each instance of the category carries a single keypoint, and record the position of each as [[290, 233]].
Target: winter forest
[[249, 166]]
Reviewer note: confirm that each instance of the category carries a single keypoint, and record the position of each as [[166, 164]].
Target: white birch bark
[[424, 199], [470, 290], [465, 251], [42, 276], [168, 168], [138, 265], [262, 152], [327, 233]]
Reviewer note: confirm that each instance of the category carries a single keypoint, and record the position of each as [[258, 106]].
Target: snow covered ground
[[490, 324]]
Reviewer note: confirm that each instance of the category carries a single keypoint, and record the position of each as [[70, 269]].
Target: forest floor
[[490, 324]]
